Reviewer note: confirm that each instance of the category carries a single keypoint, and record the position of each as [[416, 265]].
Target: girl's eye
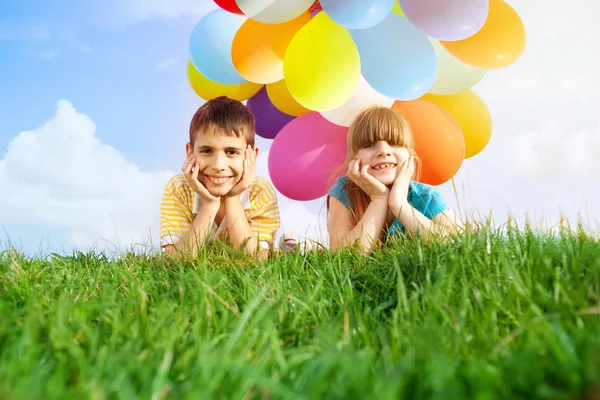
[[369, 145], [393, 143]]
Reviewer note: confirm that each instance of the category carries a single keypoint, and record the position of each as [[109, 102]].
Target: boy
[[218, 195]]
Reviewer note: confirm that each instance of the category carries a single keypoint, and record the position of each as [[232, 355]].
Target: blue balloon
[[357, 14], [396, 58], [210, 46]]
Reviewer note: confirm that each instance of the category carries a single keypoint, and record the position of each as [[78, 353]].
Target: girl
[[378, 198]]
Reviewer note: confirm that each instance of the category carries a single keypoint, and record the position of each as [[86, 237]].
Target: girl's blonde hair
[[369, 126]]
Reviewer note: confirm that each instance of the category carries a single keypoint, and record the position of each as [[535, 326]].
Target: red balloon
[[229, 5]]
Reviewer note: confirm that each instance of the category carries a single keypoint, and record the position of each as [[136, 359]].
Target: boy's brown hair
[[228, 116]]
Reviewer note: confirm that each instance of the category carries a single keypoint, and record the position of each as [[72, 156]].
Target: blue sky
[[101, 92], [110, 72]]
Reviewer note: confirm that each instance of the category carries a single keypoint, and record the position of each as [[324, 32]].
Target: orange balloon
[[499, 42], [473, 116], [439, 141], [258, 49]]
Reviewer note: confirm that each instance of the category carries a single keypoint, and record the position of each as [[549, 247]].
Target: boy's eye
[[233, 152], [204, 150]]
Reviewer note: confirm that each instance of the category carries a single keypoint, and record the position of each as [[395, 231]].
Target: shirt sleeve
[[339, 191], [263, 212], [427, 199], [175, 214]]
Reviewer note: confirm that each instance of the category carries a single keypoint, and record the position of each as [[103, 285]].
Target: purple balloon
[[448, 20], [269, 119]]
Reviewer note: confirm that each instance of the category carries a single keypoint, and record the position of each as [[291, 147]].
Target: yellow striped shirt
[[180, 205]]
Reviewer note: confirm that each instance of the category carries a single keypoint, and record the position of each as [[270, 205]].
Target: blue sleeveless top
[[426, 199]]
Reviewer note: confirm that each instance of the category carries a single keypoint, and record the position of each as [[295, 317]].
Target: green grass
[[487, 316]]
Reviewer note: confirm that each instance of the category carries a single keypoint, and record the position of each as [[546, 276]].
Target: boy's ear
[[255, 149], [188, 149]]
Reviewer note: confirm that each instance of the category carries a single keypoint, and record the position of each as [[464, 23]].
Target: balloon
[[269, 120], [207, 89], [305, 157], [446, 19], [282, 99], [473, 116], [439, 142], [396, 9], [397, 60], [357, 14], [322, 65], [210, 46], [229, 5], [258, 49], [499, 43], [363, 96], [453, 75], [273, 11], [315, 8]]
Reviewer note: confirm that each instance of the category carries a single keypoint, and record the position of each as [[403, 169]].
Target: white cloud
[[61, 176], [550, 154], [166, 64], [543, 158]]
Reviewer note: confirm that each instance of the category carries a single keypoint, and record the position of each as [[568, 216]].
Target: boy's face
[[220, 159]]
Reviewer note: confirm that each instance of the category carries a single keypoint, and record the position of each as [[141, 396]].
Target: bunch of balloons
[[306, 68]]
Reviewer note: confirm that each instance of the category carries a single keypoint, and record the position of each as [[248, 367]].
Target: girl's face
[[384, 159]]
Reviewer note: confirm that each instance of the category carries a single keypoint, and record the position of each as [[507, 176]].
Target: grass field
[[489, 316]]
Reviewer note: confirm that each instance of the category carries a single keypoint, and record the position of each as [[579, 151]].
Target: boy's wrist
[[212, 204]]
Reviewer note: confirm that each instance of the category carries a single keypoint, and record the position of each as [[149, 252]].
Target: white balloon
[[453, 75], [273, 11], [364, 96]]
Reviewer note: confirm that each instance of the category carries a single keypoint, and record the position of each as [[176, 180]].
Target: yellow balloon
[[207, 89], [282, 99], [258, 49], [397, 10], [473, 116], [499, 42], [322, 65]]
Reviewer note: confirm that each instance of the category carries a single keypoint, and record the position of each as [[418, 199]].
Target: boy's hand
[[248, 175], [367, 182], [190, 171], [399, 192]]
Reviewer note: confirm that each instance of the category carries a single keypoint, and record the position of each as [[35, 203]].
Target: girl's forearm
[[369, 228], [417, 223]]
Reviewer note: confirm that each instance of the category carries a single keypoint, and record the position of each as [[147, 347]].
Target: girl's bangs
[[378, 124]]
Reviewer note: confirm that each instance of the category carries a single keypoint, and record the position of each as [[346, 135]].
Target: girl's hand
[[399, 192], [367, 182]]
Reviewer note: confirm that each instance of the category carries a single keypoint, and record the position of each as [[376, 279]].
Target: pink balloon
[[305, 157]]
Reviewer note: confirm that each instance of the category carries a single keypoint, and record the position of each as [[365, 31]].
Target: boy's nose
[[218, 163]]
